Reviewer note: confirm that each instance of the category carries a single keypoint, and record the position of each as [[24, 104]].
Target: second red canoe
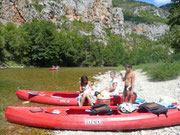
[[63, 98]]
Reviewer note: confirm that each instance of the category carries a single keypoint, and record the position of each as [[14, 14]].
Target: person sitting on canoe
[[114, 87], [129, 83], [85, 91], [57, 67]]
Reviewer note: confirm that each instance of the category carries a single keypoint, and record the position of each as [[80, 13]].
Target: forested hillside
[[76, 40]]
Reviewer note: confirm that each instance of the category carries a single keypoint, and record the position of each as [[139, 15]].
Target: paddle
[[34, 94]]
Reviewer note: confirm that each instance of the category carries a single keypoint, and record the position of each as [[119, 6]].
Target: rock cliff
[[153, 27], [99, 12], [152, 31]]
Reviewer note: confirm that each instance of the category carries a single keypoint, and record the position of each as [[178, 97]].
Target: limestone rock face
[[117, 21], [96, 11], [17, 11], [152, 31], [156, 12], [99, 12], [52, 10]]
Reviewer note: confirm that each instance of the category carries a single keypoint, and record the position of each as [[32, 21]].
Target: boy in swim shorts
[[129, 79]]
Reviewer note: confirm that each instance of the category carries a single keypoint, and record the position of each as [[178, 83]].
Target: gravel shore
[[145, 88]]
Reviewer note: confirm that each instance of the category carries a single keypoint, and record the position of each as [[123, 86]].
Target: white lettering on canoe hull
[[93, 122], [64, 101]]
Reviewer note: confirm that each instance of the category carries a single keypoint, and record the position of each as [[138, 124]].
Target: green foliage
[[115, 51], [128, 4], [38, 7], [144, 17], [141, 50], [167, 7], [13, 64], [163, 71], [40, 44], [58, 1], [77, 50], [2, 42], [17, 44], [175, 57], [75, 25], [175, 14], [128, 7], [136, 50], [174, 23], [150, 18], [36, 1], [64, 26], [173, 38], [83, 26], [42, 34], [50, 47]]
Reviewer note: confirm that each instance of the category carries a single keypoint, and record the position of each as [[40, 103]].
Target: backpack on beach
[[154, 108]]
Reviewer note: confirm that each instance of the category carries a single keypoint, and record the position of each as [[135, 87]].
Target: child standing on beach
[[129, 79]]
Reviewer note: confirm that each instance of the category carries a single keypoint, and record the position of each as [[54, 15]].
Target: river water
[[65, 79]]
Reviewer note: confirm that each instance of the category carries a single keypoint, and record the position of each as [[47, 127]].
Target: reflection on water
[[37, 79], [44, 79]]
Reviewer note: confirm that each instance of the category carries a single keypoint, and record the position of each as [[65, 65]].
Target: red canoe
[[63, 98], [77, 118], [54, 69]]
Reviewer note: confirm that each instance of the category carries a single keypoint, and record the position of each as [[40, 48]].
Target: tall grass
[[162, 71]]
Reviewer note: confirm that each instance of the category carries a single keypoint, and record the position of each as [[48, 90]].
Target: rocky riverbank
[[145, 88]]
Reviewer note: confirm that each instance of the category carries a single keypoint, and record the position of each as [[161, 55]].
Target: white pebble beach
[[145, 88]]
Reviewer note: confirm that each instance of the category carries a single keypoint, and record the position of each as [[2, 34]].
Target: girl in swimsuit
[[85, 91]]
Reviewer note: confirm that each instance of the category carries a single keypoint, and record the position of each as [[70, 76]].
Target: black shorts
[[129, 88]]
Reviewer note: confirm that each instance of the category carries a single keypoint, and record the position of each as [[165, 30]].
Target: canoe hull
[[62, 98], [77, 119], [53, 68]]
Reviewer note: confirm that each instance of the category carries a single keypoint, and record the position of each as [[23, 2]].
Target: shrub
[[17, 44], [115, 53], [144, 17], [38, 7], [141, 50], [83, 26], [42, 34], [163, 71], [2, 42], [39, 43]]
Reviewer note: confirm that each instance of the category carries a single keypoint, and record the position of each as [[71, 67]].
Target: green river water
[[65, 79]]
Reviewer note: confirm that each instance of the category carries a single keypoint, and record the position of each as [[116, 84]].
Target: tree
[[42, 35], [2, 42], [17, 44], [174, 23], [114, 52]]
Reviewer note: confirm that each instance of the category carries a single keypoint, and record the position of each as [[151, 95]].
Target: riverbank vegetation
[[163, 71], [43, 43], [39, 43], [142, 16]]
